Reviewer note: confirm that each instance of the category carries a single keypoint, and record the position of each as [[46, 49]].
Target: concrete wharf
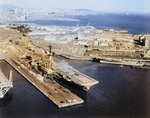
[[56, 93], [75, 57]]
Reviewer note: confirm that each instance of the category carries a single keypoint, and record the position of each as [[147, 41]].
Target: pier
[[59, 95]]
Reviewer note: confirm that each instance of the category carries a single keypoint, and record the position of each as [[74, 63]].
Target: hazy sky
[[99, 5]]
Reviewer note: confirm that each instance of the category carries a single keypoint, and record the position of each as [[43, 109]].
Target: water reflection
[[5, 100]]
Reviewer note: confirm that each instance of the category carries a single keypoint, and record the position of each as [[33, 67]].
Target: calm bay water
[[133, 23], [121, 92]]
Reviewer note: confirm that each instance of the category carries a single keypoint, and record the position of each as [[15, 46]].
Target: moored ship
[[128, 63], [5, 84], [74, 76]]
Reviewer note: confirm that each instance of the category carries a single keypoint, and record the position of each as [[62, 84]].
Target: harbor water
[[121, 91]]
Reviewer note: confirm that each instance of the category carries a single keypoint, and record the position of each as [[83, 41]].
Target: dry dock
[[55, 92]]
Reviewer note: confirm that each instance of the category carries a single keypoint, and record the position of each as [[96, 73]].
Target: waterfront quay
[[38, 67], [56, 93]]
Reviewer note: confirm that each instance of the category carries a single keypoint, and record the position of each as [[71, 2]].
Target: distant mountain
[[86, 10], [7, 6]]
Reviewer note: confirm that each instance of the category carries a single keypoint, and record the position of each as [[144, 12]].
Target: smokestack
[[50, 48]]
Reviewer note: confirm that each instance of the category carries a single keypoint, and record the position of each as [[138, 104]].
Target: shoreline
[[134, 63]]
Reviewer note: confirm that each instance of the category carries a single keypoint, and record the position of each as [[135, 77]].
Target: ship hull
[[127, 63]]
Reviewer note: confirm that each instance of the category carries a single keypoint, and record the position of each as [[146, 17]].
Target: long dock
[[74, 57], [55, 92]]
